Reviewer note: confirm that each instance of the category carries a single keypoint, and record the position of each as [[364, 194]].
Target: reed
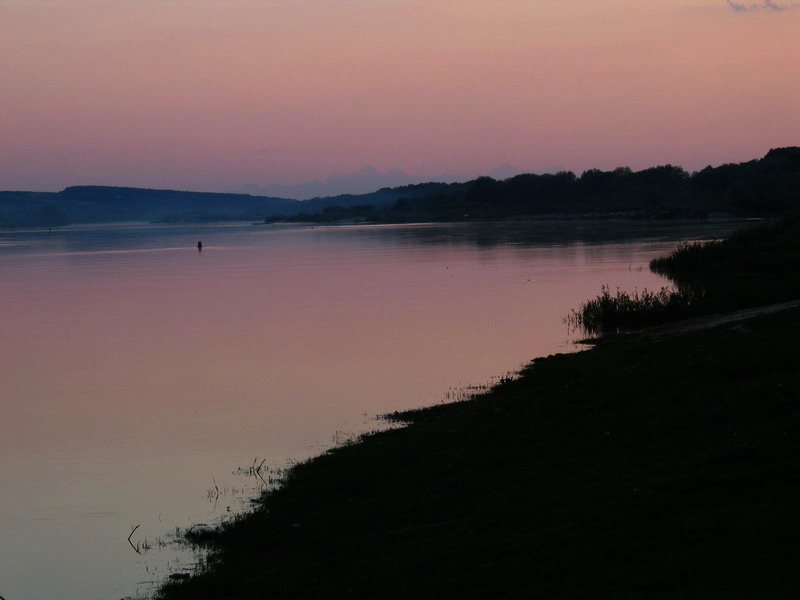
[[752, 266], [625, 311]]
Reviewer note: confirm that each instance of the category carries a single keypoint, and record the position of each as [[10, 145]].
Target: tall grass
[[772, 249], [751, 267], [626, 311]]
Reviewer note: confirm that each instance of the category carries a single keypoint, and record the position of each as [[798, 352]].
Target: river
[[141, 377]]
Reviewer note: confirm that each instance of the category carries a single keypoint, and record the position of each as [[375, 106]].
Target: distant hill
[[766, 186], [88, 204], [31, 209], [383, 198], [92, 204]]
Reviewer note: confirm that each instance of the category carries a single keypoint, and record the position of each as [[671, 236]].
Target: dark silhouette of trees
[[769, 186]]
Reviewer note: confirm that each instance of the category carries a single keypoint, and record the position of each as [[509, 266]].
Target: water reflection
[[139, 236], [138, 374], [539, 233]]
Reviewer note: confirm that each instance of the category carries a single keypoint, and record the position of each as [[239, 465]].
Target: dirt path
[[709, 321]]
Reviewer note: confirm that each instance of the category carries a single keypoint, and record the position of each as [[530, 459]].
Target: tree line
[[762, 187]]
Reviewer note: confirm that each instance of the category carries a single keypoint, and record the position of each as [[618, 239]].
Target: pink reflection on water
[[133, 375]]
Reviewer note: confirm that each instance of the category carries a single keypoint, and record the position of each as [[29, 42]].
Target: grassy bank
[[628, 311], [638, 469], [752, 267], [658, 470]]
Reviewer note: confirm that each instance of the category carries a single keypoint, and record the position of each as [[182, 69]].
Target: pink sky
[[215, 94]]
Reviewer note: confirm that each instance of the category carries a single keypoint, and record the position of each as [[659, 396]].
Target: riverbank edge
[[656, 468], [629, 215]]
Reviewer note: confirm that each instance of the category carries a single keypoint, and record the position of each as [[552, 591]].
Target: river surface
[[141, 378]]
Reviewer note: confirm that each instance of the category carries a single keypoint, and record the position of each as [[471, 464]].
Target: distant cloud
[[505, 171], [765, 5], [365, 180]]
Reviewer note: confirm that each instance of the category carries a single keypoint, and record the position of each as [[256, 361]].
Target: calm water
[[138, 374]]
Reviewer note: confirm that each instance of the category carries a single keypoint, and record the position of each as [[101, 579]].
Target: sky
[[253, 95]]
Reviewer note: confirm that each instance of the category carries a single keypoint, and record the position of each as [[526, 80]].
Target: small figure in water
[[199, 246]]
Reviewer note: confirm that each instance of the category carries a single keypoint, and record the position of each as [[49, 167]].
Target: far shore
[[590, 216]]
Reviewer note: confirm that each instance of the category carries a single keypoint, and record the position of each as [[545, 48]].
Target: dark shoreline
[[660, 464], [659, 469], [633, 215]]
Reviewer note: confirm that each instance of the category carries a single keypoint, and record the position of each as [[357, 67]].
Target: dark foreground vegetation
[[627, 311], [752, 267], [664, 470], [639, 469]]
